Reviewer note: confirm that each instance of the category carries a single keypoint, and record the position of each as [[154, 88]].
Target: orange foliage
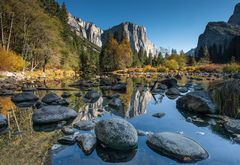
[[10, 61]]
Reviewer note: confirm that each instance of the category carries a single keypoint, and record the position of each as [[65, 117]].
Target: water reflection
[[139, 101], [115, 156], [26, 144]]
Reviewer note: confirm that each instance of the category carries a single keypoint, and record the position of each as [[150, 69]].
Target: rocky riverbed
[[170, 119]]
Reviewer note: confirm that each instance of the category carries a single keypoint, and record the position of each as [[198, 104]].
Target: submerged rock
[[170, 83], [66, 94], [116, 134], [198, 101], [173, 91], [159, 115], [122, 87], [24, 97], [85, 125], [87, 141], [183, 89], [52, 114], [141, 133], [116, 103], [233, 126], [69, 140], [91, 97], [177, 146], [68, 130]]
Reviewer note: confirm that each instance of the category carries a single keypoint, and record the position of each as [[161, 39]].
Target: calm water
[[25, 144]]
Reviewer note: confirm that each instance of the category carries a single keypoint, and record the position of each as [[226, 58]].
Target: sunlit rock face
[[89, 111], [139, 102], [86, 29], [136, 34]]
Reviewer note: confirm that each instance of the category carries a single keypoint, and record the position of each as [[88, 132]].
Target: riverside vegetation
[[65, 100]]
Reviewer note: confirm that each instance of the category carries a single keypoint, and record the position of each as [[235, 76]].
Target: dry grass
[[227, 97]]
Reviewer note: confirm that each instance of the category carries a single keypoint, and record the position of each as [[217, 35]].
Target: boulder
[[24, 97], [121, 87], [68, 130], [68, 140], [91, 97], [162, 86], [85, 125], [6, 92], [116, 134], [116, 104], [53, 114], [54, 99], [66, 95], [176, 146], [233, 126], [198, 101], [183, 89], [87, 141], [170, 83], [173, 91]]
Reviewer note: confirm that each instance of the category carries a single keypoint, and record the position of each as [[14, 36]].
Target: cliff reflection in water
[[139, 100], [90, 111]]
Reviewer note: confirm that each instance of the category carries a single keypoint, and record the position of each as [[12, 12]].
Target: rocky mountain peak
[[136, 34], [235, 18], [85, 29]]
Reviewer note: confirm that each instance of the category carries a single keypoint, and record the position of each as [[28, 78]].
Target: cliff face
[[136, 34], [220, 36], [235, 18], [86, 29]]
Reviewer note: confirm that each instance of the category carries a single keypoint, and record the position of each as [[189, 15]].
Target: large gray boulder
[[24, 97], [198, 101], [53, 114], [116, 134], [233, 126], [177, 146]]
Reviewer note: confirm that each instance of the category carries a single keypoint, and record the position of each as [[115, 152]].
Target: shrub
[[162, 69], [171, 65], [149, 68], [231, 68], [226, 95], [10, 61]]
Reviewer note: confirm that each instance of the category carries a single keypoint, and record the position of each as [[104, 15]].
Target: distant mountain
[[220, 39], [136, 34], [191, 52]]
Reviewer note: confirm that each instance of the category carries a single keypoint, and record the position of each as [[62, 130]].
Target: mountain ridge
[[136, 34]]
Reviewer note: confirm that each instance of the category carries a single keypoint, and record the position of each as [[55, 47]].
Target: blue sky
[[170, 23]]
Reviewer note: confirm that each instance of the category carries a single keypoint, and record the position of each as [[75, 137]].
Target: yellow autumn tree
[[10, 61], [125, 54]]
